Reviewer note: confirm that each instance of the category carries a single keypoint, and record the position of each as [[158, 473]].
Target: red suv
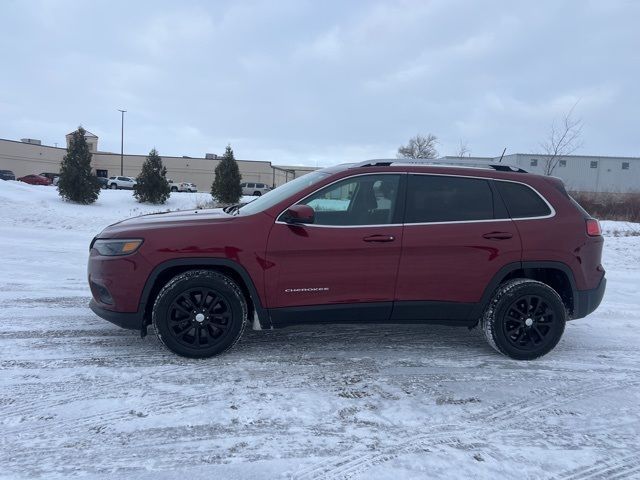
[[379, 241]]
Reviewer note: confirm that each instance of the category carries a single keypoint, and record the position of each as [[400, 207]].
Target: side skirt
[[440, 313]]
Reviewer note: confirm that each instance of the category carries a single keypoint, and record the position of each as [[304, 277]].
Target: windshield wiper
[[233, 209]]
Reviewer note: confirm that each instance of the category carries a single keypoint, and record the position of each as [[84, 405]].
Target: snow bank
[[41, 206]]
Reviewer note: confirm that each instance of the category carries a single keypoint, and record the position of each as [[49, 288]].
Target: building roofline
[[32, 144], [87, 133], [542, 155], [176, 158]]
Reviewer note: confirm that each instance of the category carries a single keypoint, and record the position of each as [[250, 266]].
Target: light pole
[[122, 143]]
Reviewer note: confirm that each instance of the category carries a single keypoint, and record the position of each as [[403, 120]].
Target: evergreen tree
[[76, 183], [226, 186], [152, 186]]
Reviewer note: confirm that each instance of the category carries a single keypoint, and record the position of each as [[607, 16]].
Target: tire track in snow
[[610, 468], [59, 393], [498, 418]]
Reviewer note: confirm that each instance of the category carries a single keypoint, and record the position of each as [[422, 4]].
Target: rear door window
[[435, 198], [521, 200]]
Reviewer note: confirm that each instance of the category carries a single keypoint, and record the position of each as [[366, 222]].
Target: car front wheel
[[525, 319], [199, 314], [114, 186]]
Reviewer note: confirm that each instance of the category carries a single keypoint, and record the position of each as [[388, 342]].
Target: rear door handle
[[498, 235], [379, 238]]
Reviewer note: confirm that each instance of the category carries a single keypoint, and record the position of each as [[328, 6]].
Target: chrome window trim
[[551, 209], [519, 219], [516, 219]]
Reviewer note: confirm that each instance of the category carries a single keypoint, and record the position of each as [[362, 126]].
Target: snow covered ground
[[78, 396]]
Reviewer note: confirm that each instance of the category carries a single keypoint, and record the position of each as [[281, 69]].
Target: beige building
[[24, 158]]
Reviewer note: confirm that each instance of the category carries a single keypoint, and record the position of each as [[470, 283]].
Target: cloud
[[328, 45], [170, 32], [320, 82]]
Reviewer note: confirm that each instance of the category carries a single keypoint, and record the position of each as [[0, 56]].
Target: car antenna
[[505, 149]]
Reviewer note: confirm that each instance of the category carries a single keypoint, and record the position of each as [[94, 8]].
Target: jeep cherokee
[[380, 241]]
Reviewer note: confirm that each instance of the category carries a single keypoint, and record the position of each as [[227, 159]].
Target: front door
[[347, 258]]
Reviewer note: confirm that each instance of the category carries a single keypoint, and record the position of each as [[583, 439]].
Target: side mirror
[[299, 214]]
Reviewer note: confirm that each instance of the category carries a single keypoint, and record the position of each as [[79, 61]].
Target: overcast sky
[[321, 82]]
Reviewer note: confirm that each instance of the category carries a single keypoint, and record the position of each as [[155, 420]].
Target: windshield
[[279, 194]]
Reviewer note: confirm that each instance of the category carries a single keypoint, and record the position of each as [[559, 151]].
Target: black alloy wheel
[[528, 321], [199, 313], [199, 317]]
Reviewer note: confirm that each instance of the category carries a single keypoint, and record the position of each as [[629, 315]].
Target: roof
[[87, 133]]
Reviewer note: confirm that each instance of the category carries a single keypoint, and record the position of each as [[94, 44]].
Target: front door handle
[[498, 235], [379, 238]]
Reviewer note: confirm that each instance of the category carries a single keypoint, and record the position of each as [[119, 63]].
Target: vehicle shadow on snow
[[353, 340]]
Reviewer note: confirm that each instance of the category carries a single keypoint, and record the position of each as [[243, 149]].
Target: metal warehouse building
[[30, 156], [580, 173]]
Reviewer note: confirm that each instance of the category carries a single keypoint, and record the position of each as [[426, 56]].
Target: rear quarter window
[[521, 200]]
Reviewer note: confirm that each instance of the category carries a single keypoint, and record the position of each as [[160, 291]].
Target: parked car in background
[[255, 189], [54, 177], [35, 180], [182, 186], [7, 175], [126, 183], [103, 181], [489, 246]]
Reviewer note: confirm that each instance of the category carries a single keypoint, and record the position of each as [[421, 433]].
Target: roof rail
[[500, 167], [374, 163]]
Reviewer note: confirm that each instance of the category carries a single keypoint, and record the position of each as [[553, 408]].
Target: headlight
[[113, 247]]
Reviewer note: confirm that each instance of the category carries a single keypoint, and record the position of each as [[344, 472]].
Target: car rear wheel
[[174, 189], [256, 194], [114, 186], [199, 314], [525, 319]]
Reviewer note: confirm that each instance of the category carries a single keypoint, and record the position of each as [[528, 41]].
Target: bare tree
[[463, 149], [419, 147], [562, 140]]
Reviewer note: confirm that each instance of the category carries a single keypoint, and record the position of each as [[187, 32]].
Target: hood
[[182, 218]]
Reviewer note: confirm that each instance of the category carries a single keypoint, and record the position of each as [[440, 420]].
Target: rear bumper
[[588, 300], [130, 321]]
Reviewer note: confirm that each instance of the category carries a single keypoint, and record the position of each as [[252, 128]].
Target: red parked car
[[35, 180], [379, 241]]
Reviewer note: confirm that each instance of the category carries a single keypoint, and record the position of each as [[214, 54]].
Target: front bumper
[[130, 321], [587, 301]]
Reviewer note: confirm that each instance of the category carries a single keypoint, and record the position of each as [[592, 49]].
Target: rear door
[[348, 256], [457, 236]]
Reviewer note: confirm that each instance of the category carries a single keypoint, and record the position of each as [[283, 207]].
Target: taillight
[[593, 227]]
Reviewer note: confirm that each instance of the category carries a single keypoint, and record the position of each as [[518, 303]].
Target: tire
[[256, 194], [525, 319], [114, 186], [174, 189], [185, 310]]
